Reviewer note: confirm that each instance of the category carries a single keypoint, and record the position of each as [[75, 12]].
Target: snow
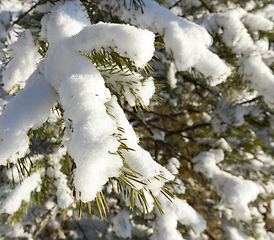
[[267, 12], [206, 162], [93, 38], [64, 193], [121, 224], [9, 11], [23, 63], [272, 208], [65, 74], [126, 84], [21, 193], [232, 114], [96, 124], [66, 20], [192, 3], [256, 22], [235, 192], [141, 231], [138, 159], [171, 71], [235, 36], [17, 231], [178, 210], [227, 114], [150, 203], [173, 165], [29, 109], [234, 233], [185, 41]]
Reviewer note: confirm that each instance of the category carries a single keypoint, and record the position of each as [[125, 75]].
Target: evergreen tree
[[155, 117]]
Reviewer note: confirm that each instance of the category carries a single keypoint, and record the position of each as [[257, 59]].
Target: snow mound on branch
[[29, 109], [235, 192], [121, 224], [178, 210], [21, 193], [257, 22], [64, 21], [94, 38], [235, 36], [173, 165], [187, 42], [23, 63], [234, 233], [64, 193]]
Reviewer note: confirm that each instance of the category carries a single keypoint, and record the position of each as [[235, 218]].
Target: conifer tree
[[137, 119]]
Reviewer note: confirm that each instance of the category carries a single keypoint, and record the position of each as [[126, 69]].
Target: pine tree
[[82, 79]]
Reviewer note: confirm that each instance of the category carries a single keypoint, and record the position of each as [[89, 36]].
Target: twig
[[168, 146], [45, 222], [157, 127], [251, 100], [81, 229], [25, 13], [210, 236], [51, 236], [175, 4], [206, 6], [156, 151], [178, 154], [270, 45], [139, 120], [202, 1], [188, 129], [170, 115]]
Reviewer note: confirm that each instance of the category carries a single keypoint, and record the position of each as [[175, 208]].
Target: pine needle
[[80, 210]]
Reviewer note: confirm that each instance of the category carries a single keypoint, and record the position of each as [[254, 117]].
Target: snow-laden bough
[[236, 36], [66, 75], [187, 42], [235, 192]]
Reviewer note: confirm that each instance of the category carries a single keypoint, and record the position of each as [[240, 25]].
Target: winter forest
[[137, 119]]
